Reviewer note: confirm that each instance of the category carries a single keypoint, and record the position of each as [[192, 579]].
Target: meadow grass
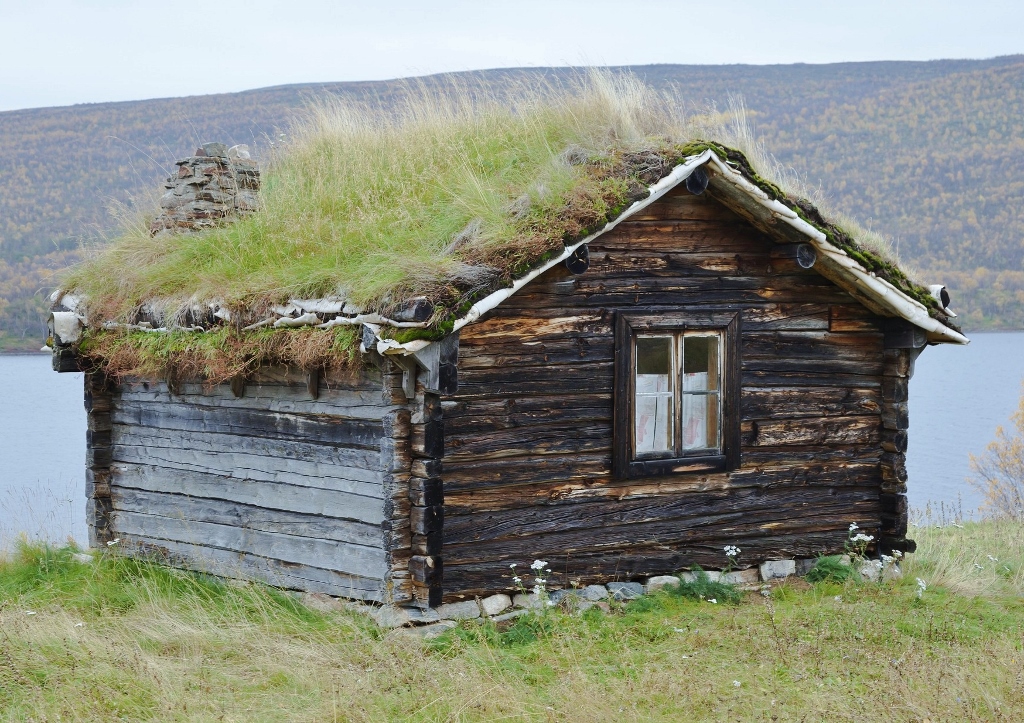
[[127, 640]]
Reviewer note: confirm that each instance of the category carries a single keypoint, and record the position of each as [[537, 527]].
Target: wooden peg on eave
[[313, 383]]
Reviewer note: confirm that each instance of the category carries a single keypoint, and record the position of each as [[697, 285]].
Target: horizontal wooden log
[[349, 558], [864, 348], [812, 431], [323, 471], [529, 440], [638, 262], [853, 318], [322, 428], [464, 581], [680, 204], [255, 454], [469, 498], [341, 504], [601, 518], [736, 290], [767, 374], [681, 236], [357, 404], [797, 402], [471, 417], [246, 517], [564, 352], [472, 472], [246, 566]]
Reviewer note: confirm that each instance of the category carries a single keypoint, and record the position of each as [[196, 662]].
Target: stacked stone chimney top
[[215, 184]]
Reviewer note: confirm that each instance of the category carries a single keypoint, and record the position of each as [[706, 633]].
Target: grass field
[[123, 640]]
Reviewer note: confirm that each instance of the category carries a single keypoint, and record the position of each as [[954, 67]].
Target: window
[[675, 393]]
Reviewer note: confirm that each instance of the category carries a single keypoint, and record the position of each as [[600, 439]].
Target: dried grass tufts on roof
[[447, 194]]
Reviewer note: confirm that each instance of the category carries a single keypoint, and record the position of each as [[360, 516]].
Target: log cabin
[[713, 364]]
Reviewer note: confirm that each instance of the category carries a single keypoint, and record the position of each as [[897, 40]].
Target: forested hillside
[[929, 153]]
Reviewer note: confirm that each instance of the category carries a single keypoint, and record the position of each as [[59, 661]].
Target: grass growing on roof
[[446, 194], [367, 202]]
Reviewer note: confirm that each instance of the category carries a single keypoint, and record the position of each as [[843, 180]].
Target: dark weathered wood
[[576, 569], [895, 389], [811, 431], [853, 318], [894, 440], [896, 416], [98, 400], [758, 403], [426, 492]]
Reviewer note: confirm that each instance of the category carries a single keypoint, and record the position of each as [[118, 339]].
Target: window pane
[[700, 363], [700, 421], [701, 403], [655, 401]]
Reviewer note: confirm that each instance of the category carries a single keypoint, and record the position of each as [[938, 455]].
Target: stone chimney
[[216, 183]]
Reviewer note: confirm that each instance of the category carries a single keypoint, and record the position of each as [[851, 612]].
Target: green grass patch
[[132, 640]]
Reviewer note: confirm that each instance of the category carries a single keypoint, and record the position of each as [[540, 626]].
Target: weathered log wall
[[297, 481], [528, 436]]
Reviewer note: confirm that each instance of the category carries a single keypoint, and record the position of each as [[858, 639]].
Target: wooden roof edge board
[[879, 295]]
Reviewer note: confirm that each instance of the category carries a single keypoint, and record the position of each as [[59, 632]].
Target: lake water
[[958, 396]]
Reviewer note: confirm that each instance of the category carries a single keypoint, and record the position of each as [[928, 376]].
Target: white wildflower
[[861, 537], [113, 542], [512, 565], [993, 559], [978, 567], [736, 684], [854, 527], [516, 579], [713, 600], [731, 551], [921, 587], [538, 565], [838, 598]]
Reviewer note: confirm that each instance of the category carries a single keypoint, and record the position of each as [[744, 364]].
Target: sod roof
[[414, 221]]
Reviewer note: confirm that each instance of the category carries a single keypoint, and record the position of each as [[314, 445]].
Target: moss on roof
[[450, 198]]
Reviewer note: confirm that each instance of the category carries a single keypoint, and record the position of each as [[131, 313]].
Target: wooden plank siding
[[277, 485], [528, 435]]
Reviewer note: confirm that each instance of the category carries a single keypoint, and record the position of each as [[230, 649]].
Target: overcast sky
[[64, 52]]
